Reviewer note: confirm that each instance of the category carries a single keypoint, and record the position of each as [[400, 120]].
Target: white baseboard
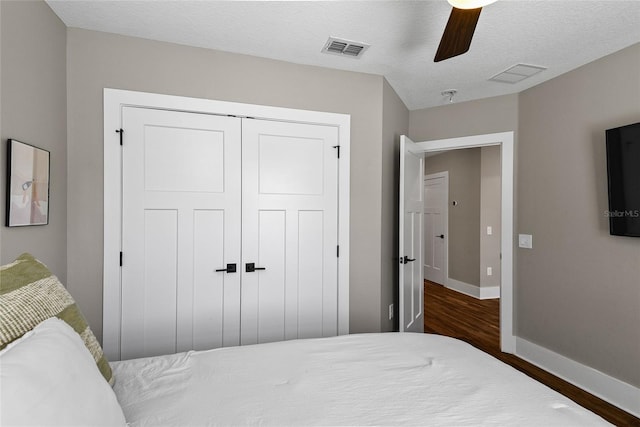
[[618, 393], [463, 288], [489, 292], [472, 290]]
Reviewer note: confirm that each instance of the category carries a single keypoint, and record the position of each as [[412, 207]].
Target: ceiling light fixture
[[450, 93], [470, 4]]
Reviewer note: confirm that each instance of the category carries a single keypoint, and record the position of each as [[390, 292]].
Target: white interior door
[[181, 222], [435, 220], [411, 284], [290, 231]]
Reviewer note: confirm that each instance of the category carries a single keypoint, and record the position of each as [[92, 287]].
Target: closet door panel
[[310, 273], [290, 165], [184, 160], [181, 222], [271, 282], [208, 289], [290, 169], [160, 284]]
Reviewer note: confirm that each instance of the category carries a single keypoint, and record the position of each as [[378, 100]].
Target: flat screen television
[[623, 173]]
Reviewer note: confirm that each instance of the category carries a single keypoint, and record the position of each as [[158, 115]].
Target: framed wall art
[[27, 185]]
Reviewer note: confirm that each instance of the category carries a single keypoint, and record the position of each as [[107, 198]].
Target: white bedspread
[[368, 379]]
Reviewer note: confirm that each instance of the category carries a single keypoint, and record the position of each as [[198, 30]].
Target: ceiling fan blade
[[458, 33]]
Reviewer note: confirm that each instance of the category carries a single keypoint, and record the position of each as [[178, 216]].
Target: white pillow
[[49, 378]]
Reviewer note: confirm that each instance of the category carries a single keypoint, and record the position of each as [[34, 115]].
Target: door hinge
[[338, 148], [121, 132], [120, 259], [338, 251]]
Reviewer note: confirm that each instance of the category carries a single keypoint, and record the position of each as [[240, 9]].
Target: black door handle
[[250, 267], [231, 268], [441, 236], [407, 259]]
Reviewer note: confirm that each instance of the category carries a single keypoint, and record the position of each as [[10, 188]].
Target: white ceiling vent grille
[[344, 47], [517, 73]]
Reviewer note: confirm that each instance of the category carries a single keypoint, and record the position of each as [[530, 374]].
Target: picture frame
[[28, 169]]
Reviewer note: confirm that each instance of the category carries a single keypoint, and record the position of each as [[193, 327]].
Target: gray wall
[[34, 110], [489, 115], [464, 218], [395, 122], [490, 213], [97, 60], [578, 289]]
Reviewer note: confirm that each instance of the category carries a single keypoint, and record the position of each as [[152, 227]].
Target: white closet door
[[290, 194], [181, 222]]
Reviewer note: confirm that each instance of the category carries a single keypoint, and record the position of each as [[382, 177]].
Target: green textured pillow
[[30, 294]]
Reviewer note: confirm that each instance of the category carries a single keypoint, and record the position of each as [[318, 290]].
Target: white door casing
[[116, 102], [289, 197], [181, 223], [436, 189], [411, 236], [506, 142]]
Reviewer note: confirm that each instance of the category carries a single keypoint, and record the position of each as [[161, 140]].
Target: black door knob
[[231, 268], [250, 267], [407, 259], [441, 236]]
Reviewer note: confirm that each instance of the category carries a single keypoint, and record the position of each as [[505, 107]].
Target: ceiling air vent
[[344, 47], [517, 73]]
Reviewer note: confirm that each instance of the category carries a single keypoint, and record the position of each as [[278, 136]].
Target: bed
[[365, 379], [53, 372]]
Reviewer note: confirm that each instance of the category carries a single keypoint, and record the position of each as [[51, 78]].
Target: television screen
[[623, 171]]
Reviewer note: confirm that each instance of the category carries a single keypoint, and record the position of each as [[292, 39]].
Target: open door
[[411, 281]]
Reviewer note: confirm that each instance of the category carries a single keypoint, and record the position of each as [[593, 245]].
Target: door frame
[[445, 226], [115, 100], [506, 141]]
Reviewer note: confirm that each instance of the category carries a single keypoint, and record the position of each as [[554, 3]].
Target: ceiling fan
[[460, 27]]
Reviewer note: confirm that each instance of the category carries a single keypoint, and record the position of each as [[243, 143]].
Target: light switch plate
[[525, 241], [390, 311], [489, 271], [489, 230]]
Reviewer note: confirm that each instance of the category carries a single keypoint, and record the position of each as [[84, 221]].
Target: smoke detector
[[336, 46]]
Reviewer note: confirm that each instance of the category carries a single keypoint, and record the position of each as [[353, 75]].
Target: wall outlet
[[489, 271], [390, 311]]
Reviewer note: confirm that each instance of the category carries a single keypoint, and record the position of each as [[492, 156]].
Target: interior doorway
[[506, 142], [464, 216]]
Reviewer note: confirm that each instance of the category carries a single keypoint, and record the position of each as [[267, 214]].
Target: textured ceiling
[[557, 34]]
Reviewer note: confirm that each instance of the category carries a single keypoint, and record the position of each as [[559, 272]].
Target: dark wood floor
[[477, 322]]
